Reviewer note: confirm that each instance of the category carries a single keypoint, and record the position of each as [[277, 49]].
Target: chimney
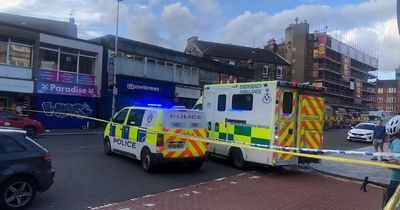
[[271, 45]]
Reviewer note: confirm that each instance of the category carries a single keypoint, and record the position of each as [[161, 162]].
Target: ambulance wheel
[[107, 146], [147, 160], [236, 156]]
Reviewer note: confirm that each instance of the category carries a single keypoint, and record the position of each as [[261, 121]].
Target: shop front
[[139, 92], [66, 97], [16, 95]]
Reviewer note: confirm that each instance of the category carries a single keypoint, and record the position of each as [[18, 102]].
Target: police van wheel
[[237, 159], [147, 161], [107, 147]]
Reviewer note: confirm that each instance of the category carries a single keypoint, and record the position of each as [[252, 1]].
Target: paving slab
[[261, 190]]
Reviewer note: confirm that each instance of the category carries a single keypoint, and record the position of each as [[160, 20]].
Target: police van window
[[135, 117], [120, 118], [242, 102], [287, 103], [221, 102]]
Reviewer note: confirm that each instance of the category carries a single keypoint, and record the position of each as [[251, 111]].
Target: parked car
[[361, 132], [9, 119], [25, 169]]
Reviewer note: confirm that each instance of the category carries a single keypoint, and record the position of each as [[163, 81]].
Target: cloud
[[372, 23], [207, 6]]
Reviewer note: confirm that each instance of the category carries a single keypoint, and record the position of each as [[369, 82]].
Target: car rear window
[[183, 119], [9, 145]]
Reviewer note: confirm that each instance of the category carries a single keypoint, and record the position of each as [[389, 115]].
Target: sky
[[370, 24]]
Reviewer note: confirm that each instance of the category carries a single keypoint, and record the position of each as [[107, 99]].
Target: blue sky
[[369, 23]]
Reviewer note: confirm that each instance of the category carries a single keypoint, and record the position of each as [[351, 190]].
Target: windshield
[[365, 126]]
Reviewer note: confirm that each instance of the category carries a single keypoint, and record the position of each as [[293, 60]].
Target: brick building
[[387, 95], [267, 65]]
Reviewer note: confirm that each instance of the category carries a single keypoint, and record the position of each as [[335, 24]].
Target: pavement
[[260, 190], [376, 174]]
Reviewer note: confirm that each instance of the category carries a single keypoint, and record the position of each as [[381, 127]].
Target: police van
[[157, 135], [263, 113]]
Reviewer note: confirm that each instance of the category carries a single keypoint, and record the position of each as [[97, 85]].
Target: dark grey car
[[25, 169]]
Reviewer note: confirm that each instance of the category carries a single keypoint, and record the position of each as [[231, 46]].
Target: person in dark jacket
[[379, 137]]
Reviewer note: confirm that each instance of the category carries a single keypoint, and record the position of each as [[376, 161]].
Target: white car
[[361, 132]]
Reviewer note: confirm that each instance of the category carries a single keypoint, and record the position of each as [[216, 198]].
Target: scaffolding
[[341, 93]]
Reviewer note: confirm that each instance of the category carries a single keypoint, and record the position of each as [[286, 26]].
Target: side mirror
[[111, 119]]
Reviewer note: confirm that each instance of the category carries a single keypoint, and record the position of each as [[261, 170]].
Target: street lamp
[[114, 91]]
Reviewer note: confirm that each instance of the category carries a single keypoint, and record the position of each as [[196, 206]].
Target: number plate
[[176, 145]]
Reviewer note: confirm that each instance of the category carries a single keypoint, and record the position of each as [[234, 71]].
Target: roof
[[11, 130], [63, 28], [157, 52], [387, 82], [240, 52]]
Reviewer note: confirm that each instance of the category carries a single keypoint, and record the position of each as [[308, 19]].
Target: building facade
[[149, 74], [49, 72], [319, 58], [387, 96], [267, 65]]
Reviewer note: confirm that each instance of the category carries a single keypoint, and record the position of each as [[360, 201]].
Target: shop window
[[20, 55], [287, 107], [3, 52], [221, 103], [48, 59], [68, 62], [120, 118], [86, 65], [243, 102], [135, 117]]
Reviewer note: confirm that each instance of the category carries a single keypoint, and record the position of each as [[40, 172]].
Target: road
[[336, 139], [85, 177]]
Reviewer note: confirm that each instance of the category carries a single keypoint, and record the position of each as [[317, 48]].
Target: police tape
[[269, 148]]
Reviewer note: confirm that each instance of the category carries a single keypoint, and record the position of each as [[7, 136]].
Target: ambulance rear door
[[310, 121], [286, 123]]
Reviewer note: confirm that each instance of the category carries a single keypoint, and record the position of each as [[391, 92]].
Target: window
[[48, 59], [391, 90], [221, 103], [242, 102], [9, 145], [379, 100], [20, 55], [68, 62], [6, 115], [86, 65], [279, 72], [287, 107], [265, 71], [120, 118], [3, 52], [135, 117], [380, 90]]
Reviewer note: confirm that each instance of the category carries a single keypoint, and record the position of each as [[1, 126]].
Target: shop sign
[[46, 75], [140, 87], [65, 77], [66, 89], [86, 79], [15, 85]]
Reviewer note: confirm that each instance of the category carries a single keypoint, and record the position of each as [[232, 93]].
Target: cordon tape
[[278, 149]]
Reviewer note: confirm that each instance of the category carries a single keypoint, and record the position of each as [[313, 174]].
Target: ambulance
[[157, 135], [263, 113]]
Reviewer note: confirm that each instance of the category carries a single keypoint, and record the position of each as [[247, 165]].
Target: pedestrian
[[379, 137], [393, 130]]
